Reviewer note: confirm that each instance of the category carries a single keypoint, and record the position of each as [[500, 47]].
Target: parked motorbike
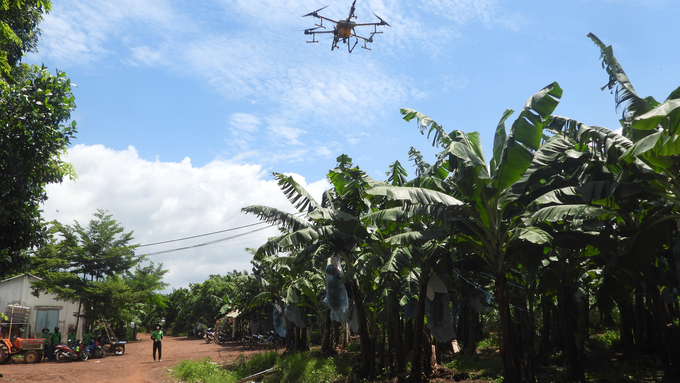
[[272, 339], [74, 351], [210, 336], [94, 349], [222, 336]]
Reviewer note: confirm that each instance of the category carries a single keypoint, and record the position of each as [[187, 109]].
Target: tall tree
[[34, 105], [19, 32], [87, 264]]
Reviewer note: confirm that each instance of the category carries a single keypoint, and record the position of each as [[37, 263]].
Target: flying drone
[[344, 29]]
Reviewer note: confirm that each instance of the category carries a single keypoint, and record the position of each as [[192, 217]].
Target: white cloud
[[280, 130], [146, 56], [245, 122], [80, 33], [164, 200]]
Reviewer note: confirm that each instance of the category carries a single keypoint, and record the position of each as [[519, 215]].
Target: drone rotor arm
[[315, 12], [382, 22]]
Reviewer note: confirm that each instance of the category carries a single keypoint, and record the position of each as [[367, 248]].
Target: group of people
[[54, 338], [51, 339]]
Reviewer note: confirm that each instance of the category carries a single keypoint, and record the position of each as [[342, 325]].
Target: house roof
[[21, 275]]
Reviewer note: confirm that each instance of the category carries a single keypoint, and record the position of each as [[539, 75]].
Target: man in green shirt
[[49, 349], [157, 337], [86, 338], [56, 336], [71, 336]]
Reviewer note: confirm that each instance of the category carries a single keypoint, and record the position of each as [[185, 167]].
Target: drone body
[[343, 29]]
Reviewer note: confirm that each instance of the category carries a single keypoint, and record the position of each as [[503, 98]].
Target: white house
[[45, 311]]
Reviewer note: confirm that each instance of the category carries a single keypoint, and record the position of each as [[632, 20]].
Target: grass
[[605, 361], [484, 364], [205, 372], [303, 367]]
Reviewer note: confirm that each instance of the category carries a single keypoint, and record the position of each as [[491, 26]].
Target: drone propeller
[[314, 13], [351, 11], [310, 30], [382, 22]]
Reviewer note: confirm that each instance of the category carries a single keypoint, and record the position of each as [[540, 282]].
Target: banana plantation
[[566, 224]]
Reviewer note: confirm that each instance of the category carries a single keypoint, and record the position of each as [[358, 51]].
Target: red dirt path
[[135, 366]]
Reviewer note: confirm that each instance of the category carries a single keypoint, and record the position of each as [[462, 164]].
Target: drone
[[343, 29]]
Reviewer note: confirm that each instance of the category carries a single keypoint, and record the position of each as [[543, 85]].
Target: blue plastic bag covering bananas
[[293, 312], [336, 295], [279, 324]]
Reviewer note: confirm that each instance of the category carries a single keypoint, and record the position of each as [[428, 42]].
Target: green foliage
[[605, 341], [32, 111], [202, 372], [19, 32], [94, 265], [305, 367], [204, 302], [256, 363], [33, 105]]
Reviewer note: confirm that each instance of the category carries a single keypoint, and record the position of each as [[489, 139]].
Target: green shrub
[[258, 362], [304, 367], [605, 341], [204, 372]]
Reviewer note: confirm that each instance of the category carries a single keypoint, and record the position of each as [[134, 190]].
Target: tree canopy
[[97, 266], [35, 108]]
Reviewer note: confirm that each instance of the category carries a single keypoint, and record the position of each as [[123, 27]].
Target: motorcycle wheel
[[99, 353], [83, 354], [31, 357], [119, 350], [61, 357], [207, 339]]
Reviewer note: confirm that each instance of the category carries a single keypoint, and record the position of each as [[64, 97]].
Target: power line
[[201, 235], [214, 232], [207, 243]]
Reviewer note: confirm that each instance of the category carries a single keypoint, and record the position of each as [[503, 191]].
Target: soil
[[135, 366]]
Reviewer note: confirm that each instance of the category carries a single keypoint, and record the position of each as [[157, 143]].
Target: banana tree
[[465, 197], [332, 228], [653, 128]]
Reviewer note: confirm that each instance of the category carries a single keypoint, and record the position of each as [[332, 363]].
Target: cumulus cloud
[[162, 201]]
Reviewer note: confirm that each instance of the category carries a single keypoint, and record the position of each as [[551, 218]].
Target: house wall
[[18, 290]]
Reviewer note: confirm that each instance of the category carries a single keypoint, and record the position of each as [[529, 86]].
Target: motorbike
[[210, 336], [222, 336], [255, 340], [74, 351], [94, 349]]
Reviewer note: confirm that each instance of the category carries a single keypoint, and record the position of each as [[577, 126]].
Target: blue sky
[[185, 107]]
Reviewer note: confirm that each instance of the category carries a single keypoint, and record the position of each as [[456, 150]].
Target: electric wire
[[206, 234], [202, 235], [206, 243]]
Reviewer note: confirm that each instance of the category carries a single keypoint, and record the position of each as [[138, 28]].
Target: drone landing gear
[[356, 41]]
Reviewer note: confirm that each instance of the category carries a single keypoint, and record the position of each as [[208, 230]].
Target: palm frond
[[274, 216], [625, 95], [296, 194], [440, 138]]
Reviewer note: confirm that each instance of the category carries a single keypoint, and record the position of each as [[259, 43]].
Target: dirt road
[[135, 366]]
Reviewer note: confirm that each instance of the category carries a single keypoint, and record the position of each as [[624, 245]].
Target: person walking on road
[[157, 337]]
